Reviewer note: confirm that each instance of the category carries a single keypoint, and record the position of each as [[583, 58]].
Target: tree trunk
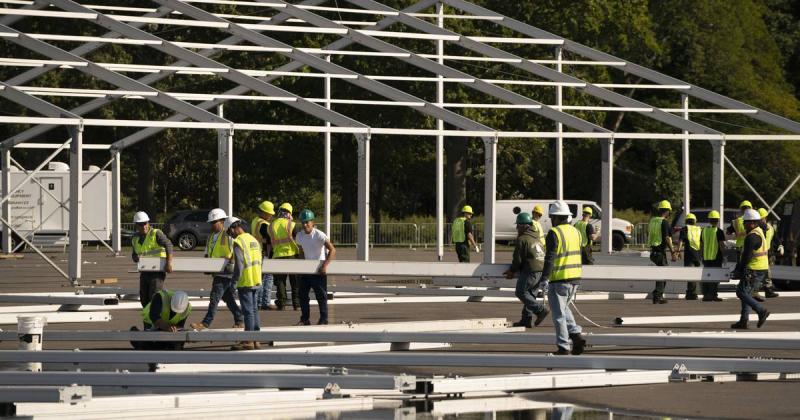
[[455, 195]]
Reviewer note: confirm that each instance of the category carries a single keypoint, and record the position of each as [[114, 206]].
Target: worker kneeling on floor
[[167, 311]]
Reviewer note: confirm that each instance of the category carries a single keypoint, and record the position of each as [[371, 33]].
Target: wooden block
[[109, 280], [11, 256]]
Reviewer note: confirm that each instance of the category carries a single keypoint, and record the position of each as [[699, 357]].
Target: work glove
[[477, 248], [780, 250]]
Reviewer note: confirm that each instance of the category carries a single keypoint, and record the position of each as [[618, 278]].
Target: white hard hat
[[751, 215], [179, 302], [559, 208], [231, 220], [140, 217], [216, 214]]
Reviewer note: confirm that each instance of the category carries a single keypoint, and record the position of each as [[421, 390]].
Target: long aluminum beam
[[60, 300], [213, 380], [405, 359], [34, 103], [629, 67], [65, 393], [537, 69], [736, 341]]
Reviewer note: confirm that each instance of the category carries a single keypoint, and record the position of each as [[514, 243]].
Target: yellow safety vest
[[581, 226], [150, 247], [281, 233], [710, 244], [537, 227], [458, 235], [693, 233], [769, 234], [255, 228], [739, 231], [759, 261], [166, 299], [251, 251], [654, 238], [567, 263], [219, 246]]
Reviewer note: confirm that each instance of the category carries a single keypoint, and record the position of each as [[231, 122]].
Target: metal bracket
[[331, 391]]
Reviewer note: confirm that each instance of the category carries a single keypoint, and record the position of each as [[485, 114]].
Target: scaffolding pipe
[[5, 213], [225, 166], [116, 197], [490, 192], [686, 186], [559, 129], [440, 144], [75, 204], [607, 196], [363, 197], [718, 179], [327, 156]]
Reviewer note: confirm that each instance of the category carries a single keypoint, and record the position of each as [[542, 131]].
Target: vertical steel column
[[686, 187], [560, 129], [75, 203], [5, 162], [225, 166], [116, 196], [362, 250], [490, 193], [718, 179], [440, 144], [607, 196], [327, 153]]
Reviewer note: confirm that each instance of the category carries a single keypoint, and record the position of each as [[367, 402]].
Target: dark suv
[[188, 228]]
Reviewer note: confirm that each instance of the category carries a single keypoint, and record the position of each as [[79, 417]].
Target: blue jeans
[[320, 286], [526, 293], [559, 295], [247, 297], [222, 288], [264, 294], [744, 291]]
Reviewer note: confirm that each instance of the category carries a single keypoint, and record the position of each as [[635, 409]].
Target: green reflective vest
[[581, 226], [537, 227], [149, 247], [739, 231], [255, 228], [693, 234], [710, 244], [251, 251], [283, 245], [654, 238], [219, 245], [759, 261], [567, 263], [769, 234], [166, 299], [457, 235]]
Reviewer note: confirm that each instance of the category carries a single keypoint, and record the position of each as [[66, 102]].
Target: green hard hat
[[306, 215], [524, 219]]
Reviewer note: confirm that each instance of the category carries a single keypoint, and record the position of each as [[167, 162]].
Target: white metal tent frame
[[126, 27]]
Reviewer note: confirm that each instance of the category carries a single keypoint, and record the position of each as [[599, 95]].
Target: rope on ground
[[574, 306]]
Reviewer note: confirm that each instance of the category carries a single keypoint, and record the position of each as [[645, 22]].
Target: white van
[[507, 211]]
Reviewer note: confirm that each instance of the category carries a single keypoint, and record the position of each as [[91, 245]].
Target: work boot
[[137, 345], [714, 298], [322, 322], [762, 318], [199, 326], [691, 296], [239, 325], [770, 293], [244, 345], [304, 322], [740, 325], [561, 352], [659, 299], [578, 343], [523, 323], [758, 297], [540, 317], [270, 307]]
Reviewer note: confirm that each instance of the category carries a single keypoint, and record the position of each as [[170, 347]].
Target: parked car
[[188, 228], [507, 210]]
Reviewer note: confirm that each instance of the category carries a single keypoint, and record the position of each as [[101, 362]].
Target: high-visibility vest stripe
[[567, 263], [251, 252], [759, 261], [149, 247], [693, 235]]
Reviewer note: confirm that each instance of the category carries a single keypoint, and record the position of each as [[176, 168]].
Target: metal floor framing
[[365, 24]]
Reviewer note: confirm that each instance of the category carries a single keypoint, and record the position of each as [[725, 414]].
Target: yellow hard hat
[[713, 214], [538, 209], [587, 210], [763, 212], [466, 209], [664, 205], [746, 204], [267, 207], [286, 206], [691, 216]]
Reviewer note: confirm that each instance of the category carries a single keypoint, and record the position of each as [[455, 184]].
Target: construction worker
[[167, 311], [247, 275], [660, 239], [150, 242], [314, 245], [712, 242], [774, 247], [588, 236], [563, 269], [752, 268], [690, 242], [536, 214], [220, 245], [259, 227], [462, 236], [736, 227], [282, 232], [527, 260]]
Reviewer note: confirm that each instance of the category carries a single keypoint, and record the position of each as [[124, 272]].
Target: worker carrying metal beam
[[150, 242]]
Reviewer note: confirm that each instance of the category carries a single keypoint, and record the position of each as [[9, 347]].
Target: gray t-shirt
[[313, 244]]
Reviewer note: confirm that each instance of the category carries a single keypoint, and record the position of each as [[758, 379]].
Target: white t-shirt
[[313, 244]]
